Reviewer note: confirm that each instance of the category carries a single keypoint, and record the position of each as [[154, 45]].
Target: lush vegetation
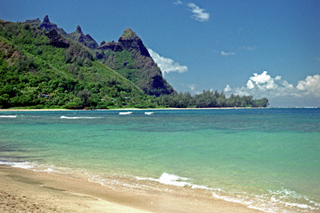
[[39, 69], [210, 99], [34, 73]]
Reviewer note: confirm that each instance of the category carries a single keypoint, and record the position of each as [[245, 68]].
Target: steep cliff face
[[130, 58], [131, 42]]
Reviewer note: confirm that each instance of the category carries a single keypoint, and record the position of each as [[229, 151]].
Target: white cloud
[[167, 65], [287, 85], [198, 13], [307, 92], [250, 84], [310, 85], [223, 53], [262, 81], [228, 88], [277, 78], [178, 2]]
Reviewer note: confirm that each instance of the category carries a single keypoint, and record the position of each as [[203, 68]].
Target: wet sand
[[28, 191]]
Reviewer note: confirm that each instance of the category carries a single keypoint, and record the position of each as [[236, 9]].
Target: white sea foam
[[175, 180], [8, 116], [291, 198], [22, 165], [169, 179], [273, 201], [65, 117], [125, 113], [148, 113], [37, 167]]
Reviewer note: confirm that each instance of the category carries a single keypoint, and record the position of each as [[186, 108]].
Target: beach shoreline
[[27, 190]]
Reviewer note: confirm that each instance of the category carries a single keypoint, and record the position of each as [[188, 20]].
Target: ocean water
[[267, 159]]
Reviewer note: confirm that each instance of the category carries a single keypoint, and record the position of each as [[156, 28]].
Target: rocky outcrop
[[57, 40], [47, 26], [114, 46], [36, 22], [86, 40], [131, 42]]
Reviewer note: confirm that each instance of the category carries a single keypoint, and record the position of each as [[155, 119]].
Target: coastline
[[30, 110], [124, 109], [26, 190]]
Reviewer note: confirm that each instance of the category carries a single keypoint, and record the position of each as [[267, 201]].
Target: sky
[[262, 48]]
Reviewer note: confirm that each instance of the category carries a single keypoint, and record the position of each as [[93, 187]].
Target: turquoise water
[[268, 159]]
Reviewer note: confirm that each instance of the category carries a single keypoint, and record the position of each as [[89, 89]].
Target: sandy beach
[[28, 191]]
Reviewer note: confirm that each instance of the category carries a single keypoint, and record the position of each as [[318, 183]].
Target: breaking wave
[[283, 200], [8, 116], [65, 117]]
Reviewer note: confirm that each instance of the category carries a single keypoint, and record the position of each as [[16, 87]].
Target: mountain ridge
[[137, 65]]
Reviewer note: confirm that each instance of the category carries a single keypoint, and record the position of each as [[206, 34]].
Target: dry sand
[[27, 191]]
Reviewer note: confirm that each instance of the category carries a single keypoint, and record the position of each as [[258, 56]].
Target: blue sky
[[264, 48]]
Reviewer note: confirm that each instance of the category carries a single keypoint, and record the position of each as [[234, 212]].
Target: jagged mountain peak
[[86, 40], [130, 41], [79, 29], [46, 19], [47, 26], [137, 65], [128, 34]]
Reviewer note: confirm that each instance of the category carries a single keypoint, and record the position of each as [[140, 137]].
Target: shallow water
[[267, 159]]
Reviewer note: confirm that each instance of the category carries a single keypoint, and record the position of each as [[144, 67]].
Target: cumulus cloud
[[310, 85], [167, 65], [262, 81], [178, 2], [228, 88], [198, 13], [276, 89], [223, 53]]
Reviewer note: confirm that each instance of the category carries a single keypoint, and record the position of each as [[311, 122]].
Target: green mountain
[[42, 69], [132, 60], [128, 56]]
